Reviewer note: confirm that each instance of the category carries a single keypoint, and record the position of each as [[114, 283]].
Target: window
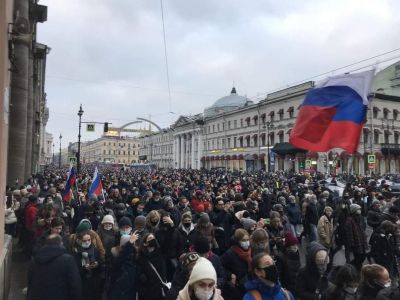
[[395, 114], [104, 152], [376, 138], [241, 142], [209, 129], [234, 142], [255, 139], [235, 124], [291, 112], [105, 143], [281, 138], [241, 123], [248, 121], [396, 138], [129, 152], [213, 144], [114, 144], [109, 152], [385, 113], [280, 113], [218, 127], [123, 152], [223, 126], [213, 128], [272, 139], [248, 141], [228, 144], [365, 137], [263, 140], [229, 124], [134, 153], [255, 120], [375, 111], [386, 138]]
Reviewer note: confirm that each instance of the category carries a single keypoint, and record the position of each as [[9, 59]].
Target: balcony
[[388, 149]]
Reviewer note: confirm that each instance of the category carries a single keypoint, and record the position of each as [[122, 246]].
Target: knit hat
[[124, 239], [203, 269], [248, 223], [83, 226], [140, 221], [125, 221], [108, 219], [135, 201], [187, 215], [204, 219], [375, 202], [188, 258], [354, 207], [290, 239]]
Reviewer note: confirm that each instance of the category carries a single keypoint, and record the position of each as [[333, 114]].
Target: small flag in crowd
[[332, 114], [66, 193], [96, 187]]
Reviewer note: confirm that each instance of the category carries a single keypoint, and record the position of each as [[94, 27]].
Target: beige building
[[111, 149], [235, 133]]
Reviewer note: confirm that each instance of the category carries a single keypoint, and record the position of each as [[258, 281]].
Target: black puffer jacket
[[53, 274], [309, 284], [288, 265]]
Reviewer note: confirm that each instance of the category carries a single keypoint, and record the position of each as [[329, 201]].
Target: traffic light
[[106, 127]]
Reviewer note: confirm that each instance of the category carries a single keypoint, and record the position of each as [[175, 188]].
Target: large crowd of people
[[200, 235]]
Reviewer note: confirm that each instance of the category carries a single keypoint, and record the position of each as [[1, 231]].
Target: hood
[[257, 284], [312, 250], [48, 253]]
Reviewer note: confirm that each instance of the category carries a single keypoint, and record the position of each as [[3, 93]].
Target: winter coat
[[325, 231], [233, 264], [186, 236], [356, 239], [311, 216], [184, 294], [383, 250], [374, 218], [208, 232], [294, 213], [219, 269], [390, 293], [153, 205], [31, 210], [53, 274], [288, 265], [266, 292], [122, 275], [149, 285], [108, 239], [10, 217], [332, 294], [171, 244], [309, 284]]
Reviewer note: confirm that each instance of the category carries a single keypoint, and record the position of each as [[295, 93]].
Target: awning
[[216, 157], [240, 156], [228, 157], [271, 113], [222, 157], [290, 109], [286, 148], [262, 155], [234, 156]]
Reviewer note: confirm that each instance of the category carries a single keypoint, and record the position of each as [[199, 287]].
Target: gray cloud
[[108, 55]]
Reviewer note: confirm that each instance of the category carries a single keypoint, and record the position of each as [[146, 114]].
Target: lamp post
[[269, 126], [129, 154], [59, 157], [53, 155], [78, 159]]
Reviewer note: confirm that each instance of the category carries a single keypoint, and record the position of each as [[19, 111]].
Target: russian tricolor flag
[[332, 114], [96, 187], [66, 194]]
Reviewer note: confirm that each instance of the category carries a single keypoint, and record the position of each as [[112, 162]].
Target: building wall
[[238, 139], [111, 149], [6, 8]]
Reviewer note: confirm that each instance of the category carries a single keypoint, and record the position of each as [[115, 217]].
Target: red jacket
[[199, 205], [30, 215]]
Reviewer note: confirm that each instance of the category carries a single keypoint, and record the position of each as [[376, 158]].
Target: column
[[193, 146], [174, 150], [182, 152], [199, 150]]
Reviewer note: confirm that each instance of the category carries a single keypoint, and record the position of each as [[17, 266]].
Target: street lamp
[[269, 126], [78, 159], [59, 157], [53, 155]]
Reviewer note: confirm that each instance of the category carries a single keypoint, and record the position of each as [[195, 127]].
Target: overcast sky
[[108, 55]]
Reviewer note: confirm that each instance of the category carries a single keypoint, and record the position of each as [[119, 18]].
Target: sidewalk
[[19, 273]]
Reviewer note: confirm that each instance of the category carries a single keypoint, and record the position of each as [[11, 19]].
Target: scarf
[[244, 255]]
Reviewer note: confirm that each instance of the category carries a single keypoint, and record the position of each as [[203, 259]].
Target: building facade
[[237, 134], [111, 149], [27, 93]]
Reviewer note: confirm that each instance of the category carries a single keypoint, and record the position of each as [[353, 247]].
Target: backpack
[[257, 295]]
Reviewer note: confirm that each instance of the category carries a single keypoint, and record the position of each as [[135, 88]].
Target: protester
[[53, 273], [344, 285], [202, 283], [374, 278]]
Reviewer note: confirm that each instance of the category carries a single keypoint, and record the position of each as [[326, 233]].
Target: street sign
[[72, 159], [308, 164], [371, 158], [90, 127], [302, 164]]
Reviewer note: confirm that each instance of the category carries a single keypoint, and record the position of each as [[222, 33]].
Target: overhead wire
[[166, 57]]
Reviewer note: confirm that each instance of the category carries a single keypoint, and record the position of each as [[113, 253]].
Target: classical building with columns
[[235, 133]]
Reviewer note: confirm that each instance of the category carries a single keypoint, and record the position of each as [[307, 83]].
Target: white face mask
[[245, 245], [126, 231], [86, 245], [350, 290], [387, 284], [203, 294]]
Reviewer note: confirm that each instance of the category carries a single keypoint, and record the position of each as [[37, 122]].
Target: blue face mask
[[125, 232]]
